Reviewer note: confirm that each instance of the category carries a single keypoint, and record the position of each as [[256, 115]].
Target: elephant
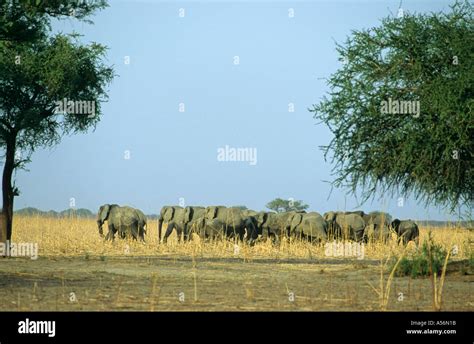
[[194, 217], [407, 231], [375, 233], [258, 218], [142, 224], [207, 230], [311, 226], [167, 214], [123, 220], [232, 221], [180, 219], [378, 218], [277, 225], [377, 226], [346, 226]]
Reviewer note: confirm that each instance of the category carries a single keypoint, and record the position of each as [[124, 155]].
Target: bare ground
[[179, 283]]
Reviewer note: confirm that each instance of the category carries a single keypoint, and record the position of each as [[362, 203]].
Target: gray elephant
[[142, 224], [407, 230], [379, 218], [310, 226], [377, 226], [345, 226], [277, 225], [232, 222], [167, 214], [258, 218], [208, 230], [187, 221], [177, 219], [123, 220]]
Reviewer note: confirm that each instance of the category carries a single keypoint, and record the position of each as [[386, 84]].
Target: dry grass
[[75, 260], [79, 237]]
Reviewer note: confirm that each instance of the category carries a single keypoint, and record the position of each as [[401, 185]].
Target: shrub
[[418, 263]]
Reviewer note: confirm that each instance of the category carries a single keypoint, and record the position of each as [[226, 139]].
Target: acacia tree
[[280, 205], [27, 20], [400, 108], [36, 74]]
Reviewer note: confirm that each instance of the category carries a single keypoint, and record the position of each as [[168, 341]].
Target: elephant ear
[[104, 212], [295, 220], [211, 213], [396, 224], [262, 218], [169, 213], [330, 216]]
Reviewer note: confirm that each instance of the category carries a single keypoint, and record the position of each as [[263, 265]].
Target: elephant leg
[[169, 230], [141, 234], [187, 232], [111, 233], [239, 233], [275, 240], [405, 240], [134, 231], [359, 235], [179, 233]]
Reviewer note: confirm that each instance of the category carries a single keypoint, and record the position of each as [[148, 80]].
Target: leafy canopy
[[35, 76], [425, 58], [29, 20], [280, 205]]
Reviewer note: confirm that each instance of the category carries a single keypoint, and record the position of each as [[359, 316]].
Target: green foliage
[[418, 264], [29, 20], [48, 71], [280, 205], [36, 72], [426, 58]]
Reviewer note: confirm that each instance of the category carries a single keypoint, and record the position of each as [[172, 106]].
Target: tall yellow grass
[[79, 237]]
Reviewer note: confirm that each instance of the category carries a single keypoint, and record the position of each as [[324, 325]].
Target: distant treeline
[[70, 212], [426, 223], [86, 213], [81, 212]]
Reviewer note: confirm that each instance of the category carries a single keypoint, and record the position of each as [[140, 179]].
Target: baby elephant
[[407, 230]]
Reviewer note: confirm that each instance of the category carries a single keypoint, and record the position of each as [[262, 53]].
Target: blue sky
[[190, 60]]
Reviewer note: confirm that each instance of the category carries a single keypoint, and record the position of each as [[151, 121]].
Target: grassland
[[77, 270]]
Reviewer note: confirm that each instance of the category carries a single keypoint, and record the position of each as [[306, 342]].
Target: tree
[[49, 87], [280, 205], [400, 108], [28, 20]]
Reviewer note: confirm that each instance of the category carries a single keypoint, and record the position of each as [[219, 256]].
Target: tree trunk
[[3, 228], [7, 189]]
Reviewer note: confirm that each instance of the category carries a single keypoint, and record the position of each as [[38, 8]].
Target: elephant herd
[[220, 222]]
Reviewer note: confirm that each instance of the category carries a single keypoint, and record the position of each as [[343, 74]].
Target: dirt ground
[[178, 283]]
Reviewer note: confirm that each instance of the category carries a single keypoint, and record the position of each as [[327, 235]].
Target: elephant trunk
[[99, 224], [160, 225]]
